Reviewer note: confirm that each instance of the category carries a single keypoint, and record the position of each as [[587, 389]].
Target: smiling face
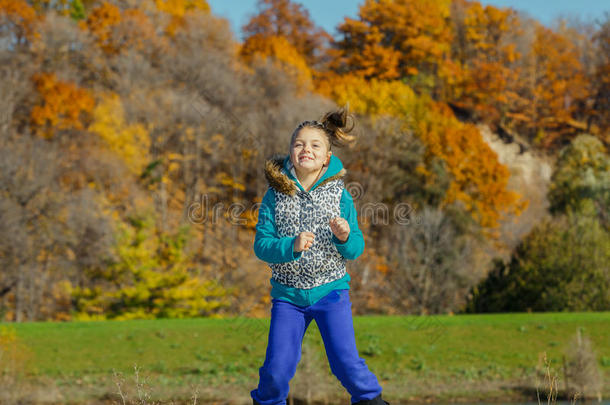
[[310, 150]]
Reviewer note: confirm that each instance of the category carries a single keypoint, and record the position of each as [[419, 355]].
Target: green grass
[[439, 348]]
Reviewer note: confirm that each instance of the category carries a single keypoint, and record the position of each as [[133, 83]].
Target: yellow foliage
[[154, 276], [177, 9], [371, 97], [181, 7], [129, 141], [226, 180], [61, 299]]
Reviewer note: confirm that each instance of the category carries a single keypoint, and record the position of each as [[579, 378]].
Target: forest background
[[133, 137]]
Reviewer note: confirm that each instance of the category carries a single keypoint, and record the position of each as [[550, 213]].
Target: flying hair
[[334, 125]]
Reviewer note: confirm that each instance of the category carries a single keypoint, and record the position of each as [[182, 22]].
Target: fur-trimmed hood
[[281, 179]]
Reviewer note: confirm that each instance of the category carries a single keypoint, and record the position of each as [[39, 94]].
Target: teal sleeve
[[354, 245], [267, 245]]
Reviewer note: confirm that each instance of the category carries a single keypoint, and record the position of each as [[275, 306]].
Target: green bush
[[152, 276], [582, 174], [562, 265]]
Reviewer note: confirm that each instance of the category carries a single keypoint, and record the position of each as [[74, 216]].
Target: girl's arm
[[267, 245], [354, 245]]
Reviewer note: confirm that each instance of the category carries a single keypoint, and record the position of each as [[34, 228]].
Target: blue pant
[[333, 315]]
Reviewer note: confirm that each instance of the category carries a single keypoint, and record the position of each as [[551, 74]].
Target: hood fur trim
[[279, 181]]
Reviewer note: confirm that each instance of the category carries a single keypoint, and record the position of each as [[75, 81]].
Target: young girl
[[307, 229]]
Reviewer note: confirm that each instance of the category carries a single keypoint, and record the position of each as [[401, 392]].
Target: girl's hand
[[303, 241], [340, 228]]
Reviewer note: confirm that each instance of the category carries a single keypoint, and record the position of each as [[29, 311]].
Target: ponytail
[[334, 125]]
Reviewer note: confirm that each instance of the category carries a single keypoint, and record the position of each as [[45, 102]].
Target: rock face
[[530, 177]]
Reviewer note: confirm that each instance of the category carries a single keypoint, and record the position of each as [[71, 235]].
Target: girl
[[307, 229]]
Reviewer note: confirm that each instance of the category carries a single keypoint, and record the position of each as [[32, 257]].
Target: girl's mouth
[[302, 158]]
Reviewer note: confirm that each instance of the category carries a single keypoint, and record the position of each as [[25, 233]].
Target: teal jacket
[[273, 249]]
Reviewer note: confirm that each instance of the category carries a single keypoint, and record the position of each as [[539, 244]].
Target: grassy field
[[441, 358]]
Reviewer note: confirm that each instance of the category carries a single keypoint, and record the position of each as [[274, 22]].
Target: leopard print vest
[[297, 211], [310, 211]]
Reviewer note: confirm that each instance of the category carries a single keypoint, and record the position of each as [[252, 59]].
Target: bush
[[562, 265], [582, 373]]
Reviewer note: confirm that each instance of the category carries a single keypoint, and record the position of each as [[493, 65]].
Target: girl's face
[[309, 151]]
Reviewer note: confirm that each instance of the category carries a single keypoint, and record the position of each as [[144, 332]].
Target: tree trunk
[[19, 296]]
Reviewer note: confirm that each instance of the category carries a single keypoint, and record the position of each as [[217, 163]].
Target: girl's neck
[[307, 180]]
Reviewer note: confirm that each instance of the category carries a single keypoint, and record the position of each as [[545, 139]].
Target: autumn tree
[[290, 21], [553, 82], [151, 277], [178, 10], [431, 263], [482, 75], [284, 55], [116, 30], [100, 23], [18, 22], [600, 116], [49, 232], [129, 141], [63, 105], [394, 39]]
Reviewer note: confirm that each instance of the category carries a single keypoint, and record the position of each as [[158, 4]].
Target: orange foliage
[[61, 105], [105, 22], [21, 19], [100, 23], [483, 76], [538, 93], [364, 55], [283, 53], [601, 107], [485, 29], [478, 179], [141, 32], [283, 18], [558, 84], [394, 38]]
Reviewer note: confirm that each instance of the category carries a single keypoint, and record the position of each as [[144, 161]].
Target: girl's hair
[[334, 125]]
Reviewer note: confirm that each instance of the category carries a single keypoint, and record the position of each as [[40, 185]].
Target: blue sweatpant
[[333, 315]]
